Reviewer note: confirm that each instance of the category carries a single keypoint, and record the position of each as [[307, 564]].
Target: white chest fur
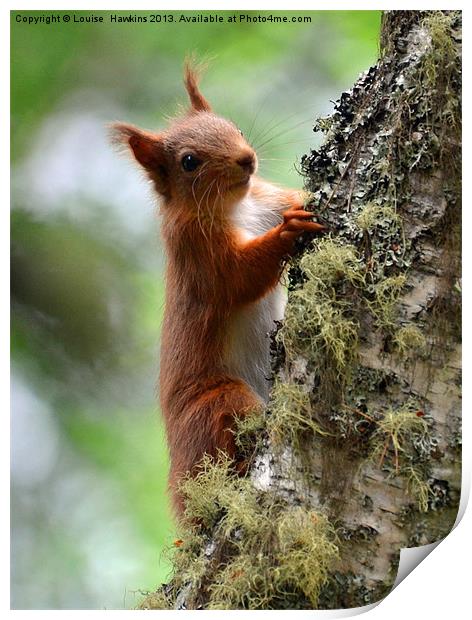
[[248, 350]]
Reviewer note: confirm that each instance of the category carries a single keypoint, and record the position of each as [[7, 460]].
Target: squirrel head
[[201, 161]]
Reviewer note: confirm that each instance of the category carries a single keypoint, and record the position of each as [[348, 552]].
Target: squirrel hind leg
[[210, 420]]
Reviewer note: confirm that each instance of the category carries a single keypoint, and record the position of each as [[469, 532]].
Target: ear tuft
[[192, 73]]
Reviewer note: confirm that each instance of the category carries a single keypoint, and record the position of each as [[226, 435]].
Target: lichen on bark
[[360, 441]]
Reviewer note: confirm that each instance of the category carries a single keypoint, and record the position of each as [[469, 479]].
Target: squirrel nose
[[247, 163]]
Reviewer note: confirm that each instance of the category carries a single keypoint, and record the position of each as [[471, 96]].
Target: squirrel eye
[[190, 163]]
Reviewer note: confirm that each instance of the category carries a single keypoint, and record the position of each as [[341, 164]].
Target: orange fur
[[213, 270]]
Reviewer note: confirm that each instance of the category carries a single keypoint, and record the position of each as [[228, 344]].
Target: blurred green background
[[89, 512]]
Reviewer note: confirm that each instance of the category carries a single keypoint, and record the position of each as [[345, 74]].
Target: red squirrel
[[227, 234]]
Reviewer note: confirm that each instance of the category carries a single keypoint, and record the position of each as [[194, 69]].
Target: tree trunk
[[358, 453]]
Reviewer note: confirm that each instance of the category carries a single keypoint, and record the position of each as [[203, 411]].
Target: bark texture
[[358, 454]]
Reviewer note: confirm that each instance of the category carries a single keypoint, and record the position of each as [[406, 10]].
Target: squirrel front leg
[[259, 261]]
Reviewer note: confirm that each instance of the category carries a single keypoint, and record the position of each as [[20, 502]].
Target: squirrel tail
[[210, 413]]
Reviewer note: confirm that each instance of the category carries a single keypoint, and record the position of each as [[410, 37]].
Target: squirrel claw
[[299, 214]]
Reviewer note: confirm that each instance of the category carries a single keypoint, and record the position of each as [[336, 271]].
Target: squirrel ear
[[145, 146], [191, 78], [147, 149]]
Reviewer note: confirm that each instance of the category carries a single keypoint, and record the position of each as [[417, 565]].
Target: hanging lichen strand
[[358, 452], [244, 549]]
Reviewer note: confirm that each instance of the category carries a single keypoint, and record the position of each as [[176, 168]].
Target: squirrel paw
[[297, 221]]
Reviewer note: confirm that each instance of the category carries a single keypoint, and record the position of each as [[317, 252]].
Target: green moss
[[203, 493], [155, 600], [286, 558], [273, 551], [330, 262], [396, 427], [384, 304], [291, 414], [324, 124], [409, 340], [417, 486], [318, 321], [250, 432], [374, 214], [442, 51], [402, 444], [440, 77]]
